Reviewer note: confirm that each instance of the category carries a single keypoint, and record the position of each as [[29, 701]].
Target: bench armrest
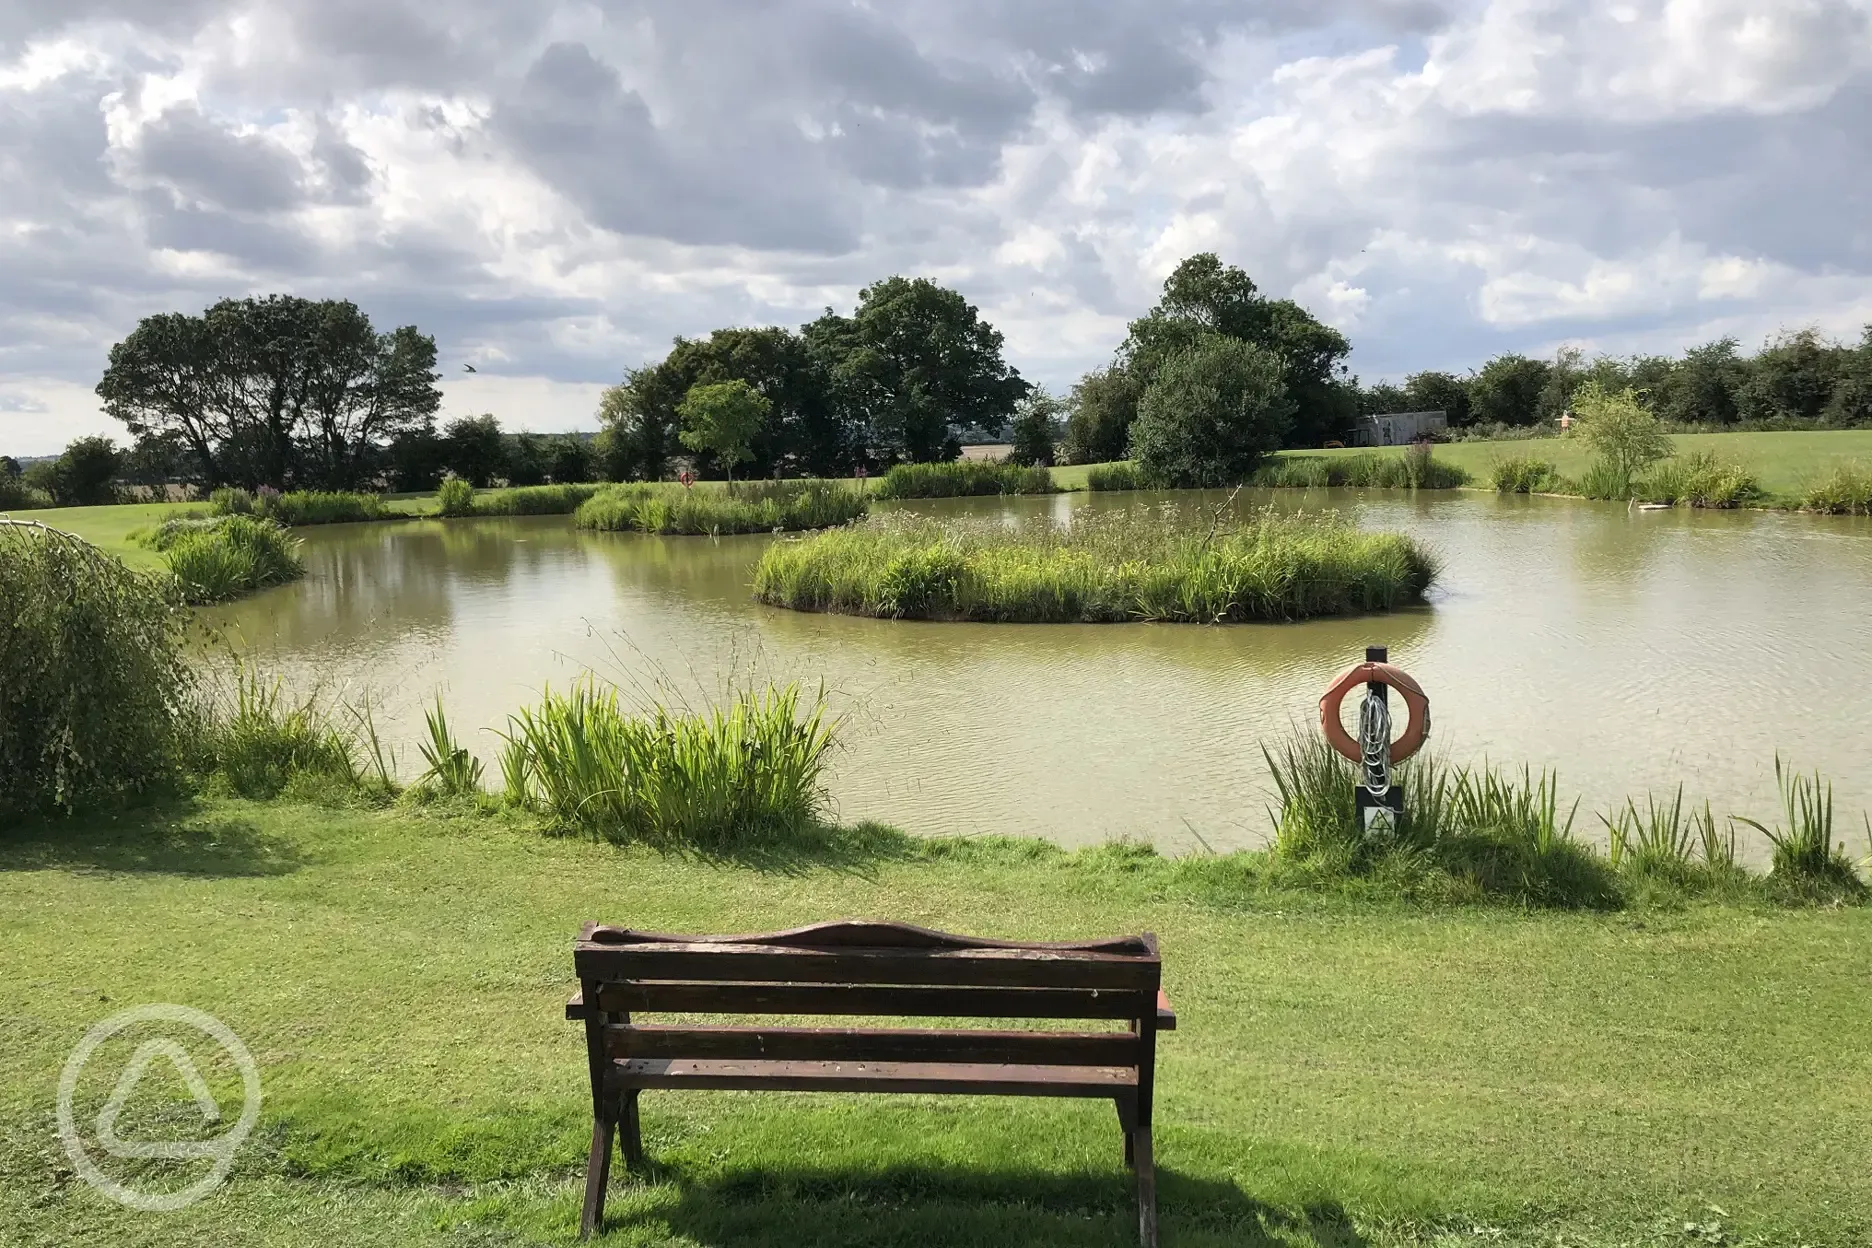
[[1166, 1017], [575, 1008]]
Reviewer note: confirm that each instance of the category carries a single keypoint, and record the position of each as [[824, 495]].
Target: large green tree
[[1438, 392], [913, 366], [273, 391], [1036, 429], [723, 418], [475, 450], [1507, 391], [1701, 388], [1211, 412], [1205, 296], [1101, 408], [1791, 379]]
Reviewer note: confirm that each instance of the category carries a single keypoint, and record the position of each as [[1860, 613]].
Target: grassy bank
[[218, 558], [1416, 469], [1345, 1073], [1138, 564], [744, 507]]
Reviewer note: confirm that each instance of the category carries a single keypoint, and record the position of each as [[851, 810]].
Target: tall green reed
[[743, 507], [963, 477], [738, 776], [453, 771], [1805, 852]]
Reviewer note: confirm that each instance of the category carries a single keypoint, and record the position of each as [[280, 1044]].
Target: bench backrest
[[873, 969]]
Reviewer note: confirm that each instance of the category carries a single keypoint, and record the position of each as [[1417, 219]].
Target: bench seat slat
[[654, 996], [984, 1079], [976, 967], [1050, 1048]]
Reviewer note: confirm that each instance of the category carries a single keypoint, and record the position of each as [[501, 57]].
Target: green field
[[1785, 462], [1346, 1074]]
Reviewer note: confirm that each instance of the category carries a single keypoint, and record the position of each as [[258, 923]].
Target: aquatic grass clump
[[216, 559], [1123, 475], [1700, 480], [530, 500], [95, 692], [1467, 833], [733, 777], [1846, 490], [962, 478], [1607, 481], [742, 507], [455, 498], [1526, 474], [304, 507], [453, 772], [1417, 468], [255, 741], [1806, 858], [1141, 563]]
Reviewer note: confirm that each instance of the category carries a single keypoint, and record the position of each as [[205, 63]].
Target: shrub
[[745, 507], [1137, 564], [1211, 413], [1524, 474], [453, 771], [532, 500], [1119, 476], [1621, 432], [95, 694], [1846, 490], [963, 477], [731, 778], [303, 507], [230, 500], [1700, 480], [217, 559], [15, 494], [456, 498]]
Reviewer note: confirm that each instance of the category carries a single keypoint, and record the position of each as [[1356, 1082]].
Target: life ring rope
[[1416, 732]]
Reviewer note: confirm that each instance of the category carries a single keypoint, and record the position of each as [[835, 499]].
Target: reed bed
[[730, 778], [741, 507], [1143, 563], [223, 557], [964, 477]]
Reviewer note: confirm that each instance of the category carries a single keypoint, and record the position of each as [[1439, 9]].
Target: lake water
[[1631, 650]]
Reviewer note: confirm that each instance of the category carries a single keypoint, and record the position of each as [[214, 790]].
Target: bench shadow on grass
[[172, 840], [771, 1207]]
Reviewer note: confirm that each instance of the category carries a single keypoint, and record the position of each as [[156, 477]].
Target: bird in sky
[[469, 367]]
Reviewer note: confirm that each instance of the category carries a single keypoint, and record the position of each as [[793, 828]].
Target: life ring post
[[1380, 802]]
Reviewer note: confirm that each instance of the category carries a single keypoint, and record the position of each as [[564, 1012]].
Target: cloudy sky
[[554, 190]]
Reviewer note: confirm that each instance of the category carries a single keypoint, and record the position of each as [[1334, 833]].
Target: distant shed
[[1397, 428]]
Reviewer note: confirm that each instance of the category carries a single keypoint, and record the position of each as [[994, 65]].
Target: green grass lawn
[[1784, 462], [1346, 1074], [110, 527]]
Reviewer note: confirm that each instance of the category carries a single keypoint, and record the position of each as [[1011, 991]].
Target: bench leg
[[597, 1175], [1147, 1186], [633, 1131]]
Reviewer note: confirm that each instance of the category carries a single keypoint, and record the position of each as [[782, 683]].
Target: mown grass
[[966, 477], [744, 507], [1143, 563], [1346, 1071], [224, 557]]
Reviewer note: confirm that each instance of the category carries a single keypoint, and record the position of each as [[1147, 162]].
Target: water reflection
[[1630, 649]]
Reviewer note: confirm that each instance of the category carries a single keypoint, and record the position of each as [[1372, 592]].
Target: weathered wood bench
[[880, 970]]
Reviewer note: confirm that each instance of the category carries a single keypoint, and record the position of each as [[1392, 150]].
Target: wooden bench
[[877, 969]]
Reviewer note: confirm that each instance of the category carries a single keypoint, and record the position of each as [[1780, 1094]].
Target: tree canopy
[[1210, 414], [275, 391], [723, 418]]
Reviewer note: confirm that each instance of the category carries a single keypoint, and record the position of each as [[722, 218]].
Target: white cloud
[[1507, 176]]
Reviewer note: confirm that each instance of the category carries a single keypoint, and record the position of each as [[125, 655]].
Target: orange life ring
[[1415, 700]]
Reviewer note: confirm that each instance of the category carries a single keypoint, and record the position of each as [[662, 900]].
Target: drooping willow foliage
[[94, 690]]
